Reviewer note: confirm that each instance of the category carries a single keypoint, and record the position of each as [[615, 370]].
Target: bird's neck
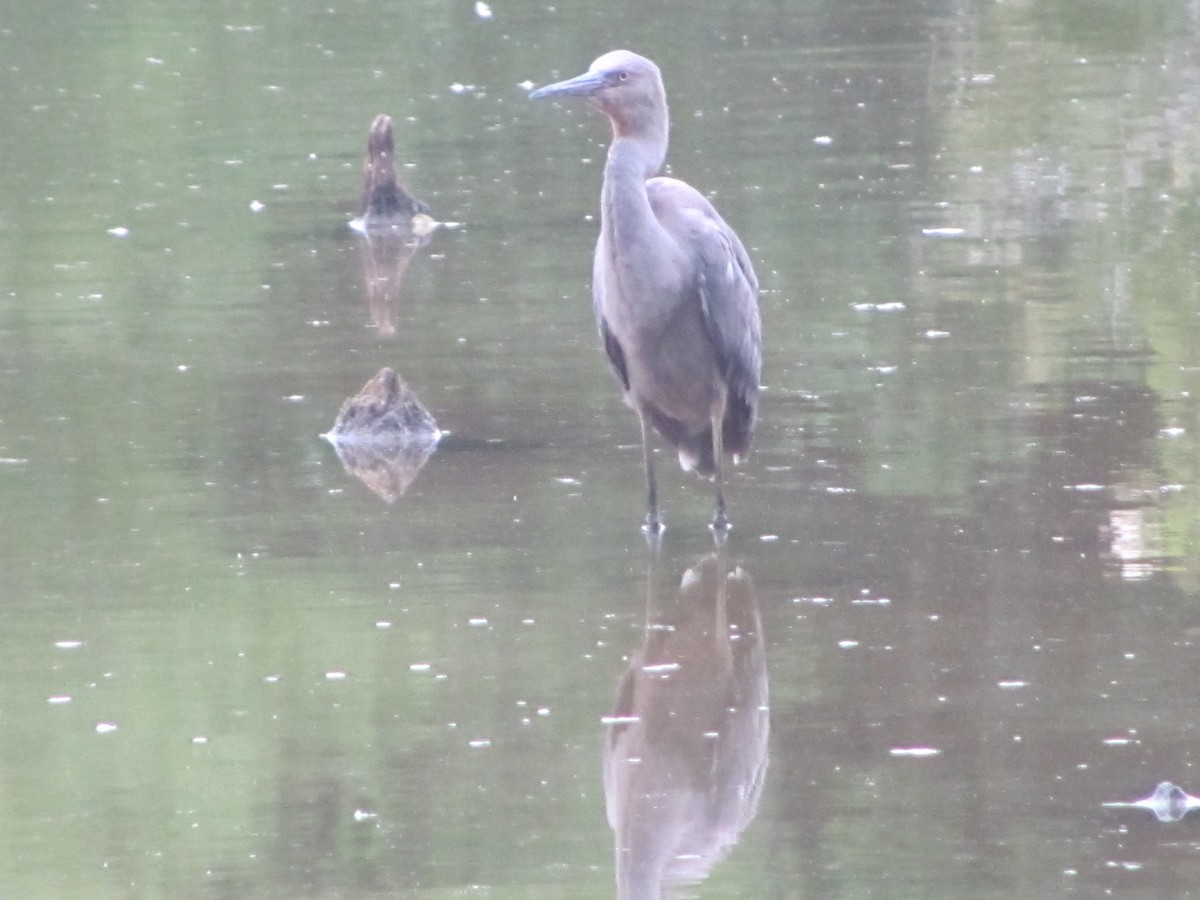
[[624, 204], [636, 156]]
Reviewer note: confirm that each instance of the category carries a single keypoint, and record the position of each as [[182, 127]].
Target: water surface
[[970, 520]]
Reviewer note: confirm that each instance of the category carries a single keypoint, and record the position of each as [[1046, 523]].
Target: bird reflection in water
[[687, 744], [384, 435], [393, 225]]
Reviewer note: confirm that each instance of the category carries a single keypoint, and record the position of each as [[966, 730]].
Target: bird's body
[[680, 359], [675, 295]]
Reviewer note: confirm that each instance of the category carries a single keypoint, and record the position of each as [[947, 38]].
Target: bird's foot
[[653, 526], [720, 526]]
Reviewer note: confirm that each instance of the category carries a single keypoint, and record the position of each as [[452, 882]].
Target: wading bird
[[675, 296]]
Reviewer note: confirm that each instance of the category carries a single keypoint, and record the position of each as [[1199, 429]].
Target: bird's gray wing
[[724, 282], [728, 292]]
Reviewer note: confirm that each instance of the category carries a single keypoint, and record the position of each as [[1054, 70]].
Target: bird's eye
[[622, 76]]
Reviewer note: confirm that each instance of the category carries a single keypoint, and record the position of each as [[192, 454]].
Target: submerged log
[[383, 435]]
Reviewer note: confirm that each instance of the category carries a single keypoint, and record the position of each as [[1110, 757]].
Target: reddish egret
[[675, 296]]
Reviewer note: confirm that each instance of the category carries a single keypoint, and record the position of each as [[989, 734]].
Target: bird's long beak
[[580, 86]]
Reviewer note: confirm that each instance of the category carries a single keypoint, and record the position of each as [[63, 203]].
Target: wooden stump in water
[[383, 435], [384, 199]]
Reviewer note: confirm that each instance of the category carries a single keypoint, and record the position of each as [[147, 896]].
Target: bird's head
[[626, 87]]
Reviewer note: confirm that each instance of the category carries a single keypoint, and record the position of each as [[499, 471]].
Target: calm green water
[[231, 670]]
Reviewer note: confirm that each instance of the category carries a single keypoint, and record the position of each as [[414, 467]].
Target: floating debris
[[421, 225], [620, 720], [660, 668], [1168, 802], [887, 306]]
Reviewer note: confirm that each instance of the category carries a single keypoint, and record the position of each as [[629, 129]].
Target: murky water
[[970, 526]]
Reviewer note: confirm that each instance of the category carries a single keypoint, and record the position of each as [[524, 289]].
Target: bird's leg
[[654, 611], [653, 524], [720, 522]]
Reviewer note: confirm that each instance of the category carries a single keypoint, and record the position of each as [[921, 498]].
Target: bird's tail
[[696, 453], [696, 448]]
